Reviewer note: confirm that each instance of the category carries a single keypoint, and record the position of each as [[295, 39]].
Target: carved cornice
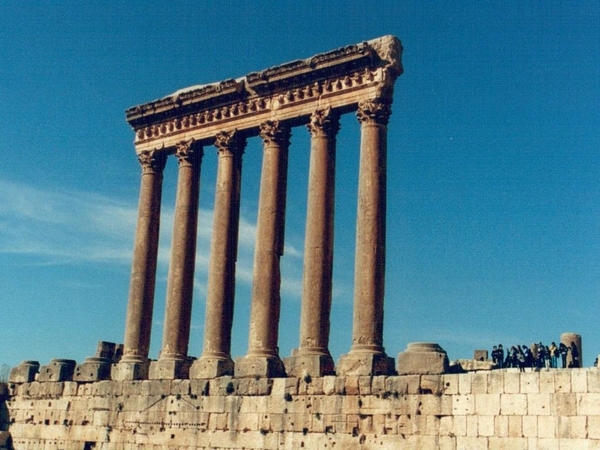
[[152, 161], [323, 122], [188, 153], [340, 79], [374, 112], [230, 141], [274, 132]]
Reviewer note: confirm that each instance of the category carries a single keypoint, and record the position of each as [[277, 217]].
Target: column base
[[57, 370], [365, 364], [94, 368], [259, 366], [211, 367], [130, 370], [169, 369], [24, 372], [423, 358], [315, 365]]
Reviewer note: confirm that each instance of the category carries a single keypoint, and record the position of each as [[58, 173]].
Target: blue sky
[[493, 167]]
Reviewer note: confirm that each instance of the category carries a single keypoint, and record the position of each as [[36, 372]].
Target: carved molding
[[373, 112], [188, 153], [323, 123], [253, 106], [152, 161], [274, 132]]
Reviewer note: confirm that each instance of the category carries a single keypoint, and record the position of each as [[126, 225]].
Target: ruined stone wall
[[556, 409]]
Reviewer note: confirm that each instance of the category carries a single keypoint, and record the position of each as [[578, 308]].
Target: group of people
[[537, 355]]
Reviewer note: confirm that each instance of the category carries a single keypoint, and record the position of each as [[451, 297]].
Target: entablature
[[338, 79]]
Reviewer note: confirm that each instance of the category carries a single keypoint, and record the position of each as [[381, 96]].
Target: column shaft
[[313, 354], [369, 274], [180, 283], [143, 272], [262, 358], [216, 359]]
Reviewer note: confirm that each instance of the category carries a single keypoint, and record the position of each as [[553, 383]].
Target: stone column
[[216, 358], [313, 357], [262, 359], [173, 361], [367, 355], [572, 340], [134, 363]]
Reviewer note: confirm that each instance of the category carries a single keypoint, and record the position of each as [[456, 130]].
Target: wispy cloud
[[65, 227]]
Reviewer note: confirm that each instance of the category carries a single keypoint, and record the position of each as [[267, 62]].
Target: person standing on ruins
[[563, 350], [553, 352]]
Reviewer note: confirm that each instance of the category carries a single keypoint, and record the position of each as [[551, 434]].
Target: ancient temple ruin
[[314, 93], [261, 402]]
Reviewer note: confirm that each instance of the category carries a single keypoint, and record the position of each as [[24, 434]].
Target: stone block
[[432, 384], [485, 426], [314, 365], [530, 383], [539, 404], [25, 372], [588, 404], [479, 382], [57, 370], [515, 426], [513, 404], [378, 385], [512, 382], [487, 404], [594, 427], [211, 367], [464, 383], [496, 382], [130, 370], [472, 425], [547, 382], [252, 366], [422, 358], [450, 384], [579, 380], [593, 380], [547, 427], [169, 369], [351, 385], [463, 404], [562, 381], [365, 364], [93, 369], [530, 426], [480, 355]]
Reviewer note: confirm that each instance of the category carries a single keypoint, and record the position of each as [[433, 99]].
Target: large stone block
[[24, 372], [211, 367], [57, 370], [130, 370], [365, 364], [93, 369], [422, 358], [169, 369]]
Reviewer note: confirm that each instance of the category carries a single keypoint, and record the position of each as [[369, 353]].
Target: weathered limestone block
[[487, 404], [539, 404], [25, 372], [513, 404], [169, 369], [130, 370], [422, 358], [530, 383], [562, 381], [57, 370], [485, 426], [463, 405], [579, 380], [93, 369]]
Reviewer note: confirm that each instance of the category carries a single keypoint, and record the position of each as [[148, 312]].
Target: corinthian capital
[[188, 153], [152, 161], [230, 141], [323, 122], [373, 112], [272, 131]]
